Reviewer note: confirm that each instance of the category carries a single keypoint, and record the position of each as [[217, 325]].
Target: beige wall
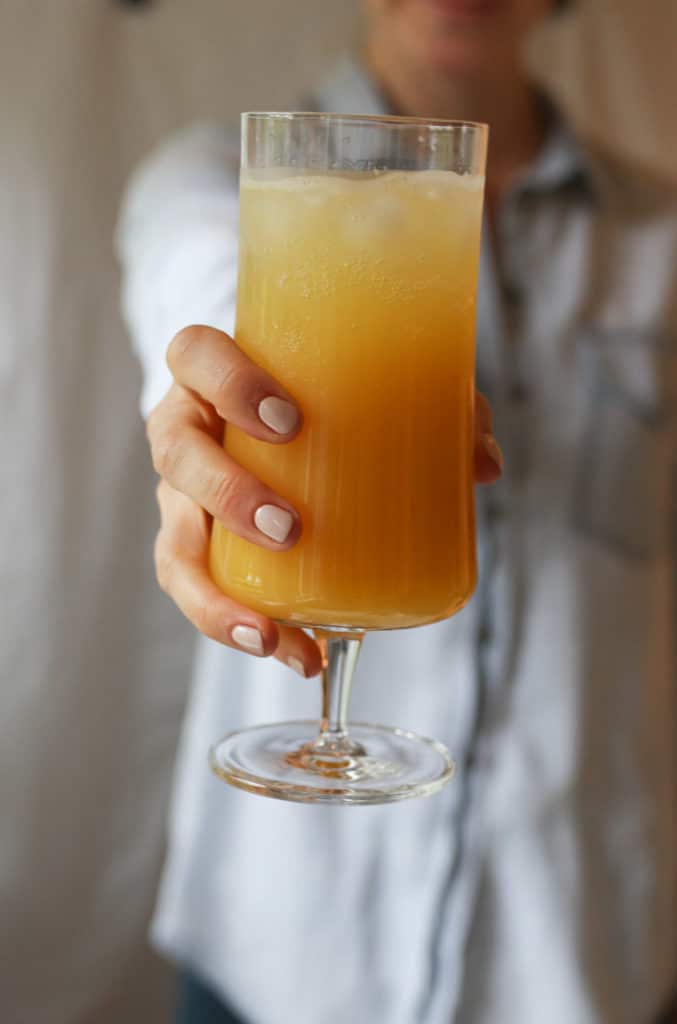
[[244, 54], [614, 62]]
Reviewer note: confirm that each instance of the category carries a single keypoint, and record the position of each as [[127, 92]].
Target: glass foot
[[376, 765]]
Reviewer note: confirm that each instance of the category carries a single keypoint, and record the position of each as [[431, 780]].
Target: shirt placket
[[500, 596], [498, 326], [502, 355]]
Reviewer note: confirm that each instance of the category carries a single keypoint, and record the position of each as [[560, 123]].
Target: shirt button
[[518, 393], [481, 757], [484, 635], [493, 511], [512, 295]]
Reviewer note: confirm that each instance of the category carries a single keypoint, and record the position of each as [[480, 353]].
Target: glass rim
[[387, 120]]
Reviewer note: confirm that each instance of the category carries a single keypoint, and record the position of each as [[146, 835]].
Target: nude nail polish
[[274, 522], [278, 414], [248, 638]]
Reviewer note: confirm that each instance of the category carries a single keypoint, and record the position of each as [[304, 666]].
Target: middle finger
[[195, 464]]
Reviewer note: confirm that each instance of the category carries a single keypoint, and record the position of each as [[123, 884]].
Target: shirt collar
[[348, 89], [562, 165]]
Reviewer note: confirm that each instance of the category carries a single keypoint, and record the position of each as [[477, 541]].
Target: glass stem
[[340, 652]]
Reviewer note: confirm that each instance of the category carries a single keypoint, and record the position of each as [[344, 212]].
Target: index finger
[[181, 563], [210, 363]]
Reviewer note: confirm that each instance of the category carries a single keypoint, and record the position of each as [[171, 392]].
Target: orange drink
[[357, 292], [358, 272]]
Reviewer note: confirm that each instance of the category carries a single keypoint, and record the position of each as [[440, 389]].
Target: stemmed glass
[[359, 246]]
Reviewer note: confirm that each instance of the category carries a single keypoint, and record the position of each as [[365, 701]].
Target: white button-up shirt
[[540, 885]]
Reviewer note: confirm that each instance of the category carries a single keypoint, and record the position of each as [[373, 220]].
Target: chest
[[576, 348]]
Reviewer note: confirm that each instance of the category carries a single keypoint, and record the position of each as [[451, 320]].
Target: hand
[[215, 382]]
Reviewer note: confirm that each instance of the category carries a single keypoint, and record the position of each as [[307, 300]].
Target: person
[[540, 885]]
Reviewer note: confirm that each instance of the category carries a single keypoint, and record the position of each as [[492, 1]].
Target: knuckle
[[226, 496], [163, 496], [232, 378], [164, 563], [152, 424], [166, 450], [182, 346], [201, 617]]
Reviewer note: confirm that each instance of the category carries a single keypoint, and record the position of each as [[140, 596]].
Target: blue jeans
[[197, 1004]]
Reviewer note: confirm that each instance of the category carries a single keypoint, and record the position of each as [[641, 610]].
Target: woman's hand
[[215, 382]]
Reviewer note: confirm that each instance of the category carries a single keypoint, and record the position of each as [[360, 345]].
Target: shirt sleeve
[[177, 241]]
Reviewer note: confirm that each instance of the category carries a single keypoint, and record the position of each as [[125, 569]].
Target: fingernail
[[248, 638], [278, 414], [274, 522], [491, 447], [297, 665]]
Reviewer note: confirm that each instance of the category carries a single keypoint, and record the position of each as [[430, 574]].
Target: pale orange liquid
[[358, 294]]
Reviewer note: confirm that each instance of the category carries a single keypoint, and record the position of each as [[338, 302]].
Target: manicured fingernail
[[274, 522], [491, 447], [297, 665], [278, 414], [248, 638]]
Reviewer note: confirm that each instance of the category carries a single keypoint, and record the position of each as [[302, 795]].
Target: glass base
[[376, 765]]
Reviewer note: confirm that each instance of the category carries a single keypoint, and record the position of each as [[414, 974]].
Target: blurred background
[[610, 61], [94, 661]]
